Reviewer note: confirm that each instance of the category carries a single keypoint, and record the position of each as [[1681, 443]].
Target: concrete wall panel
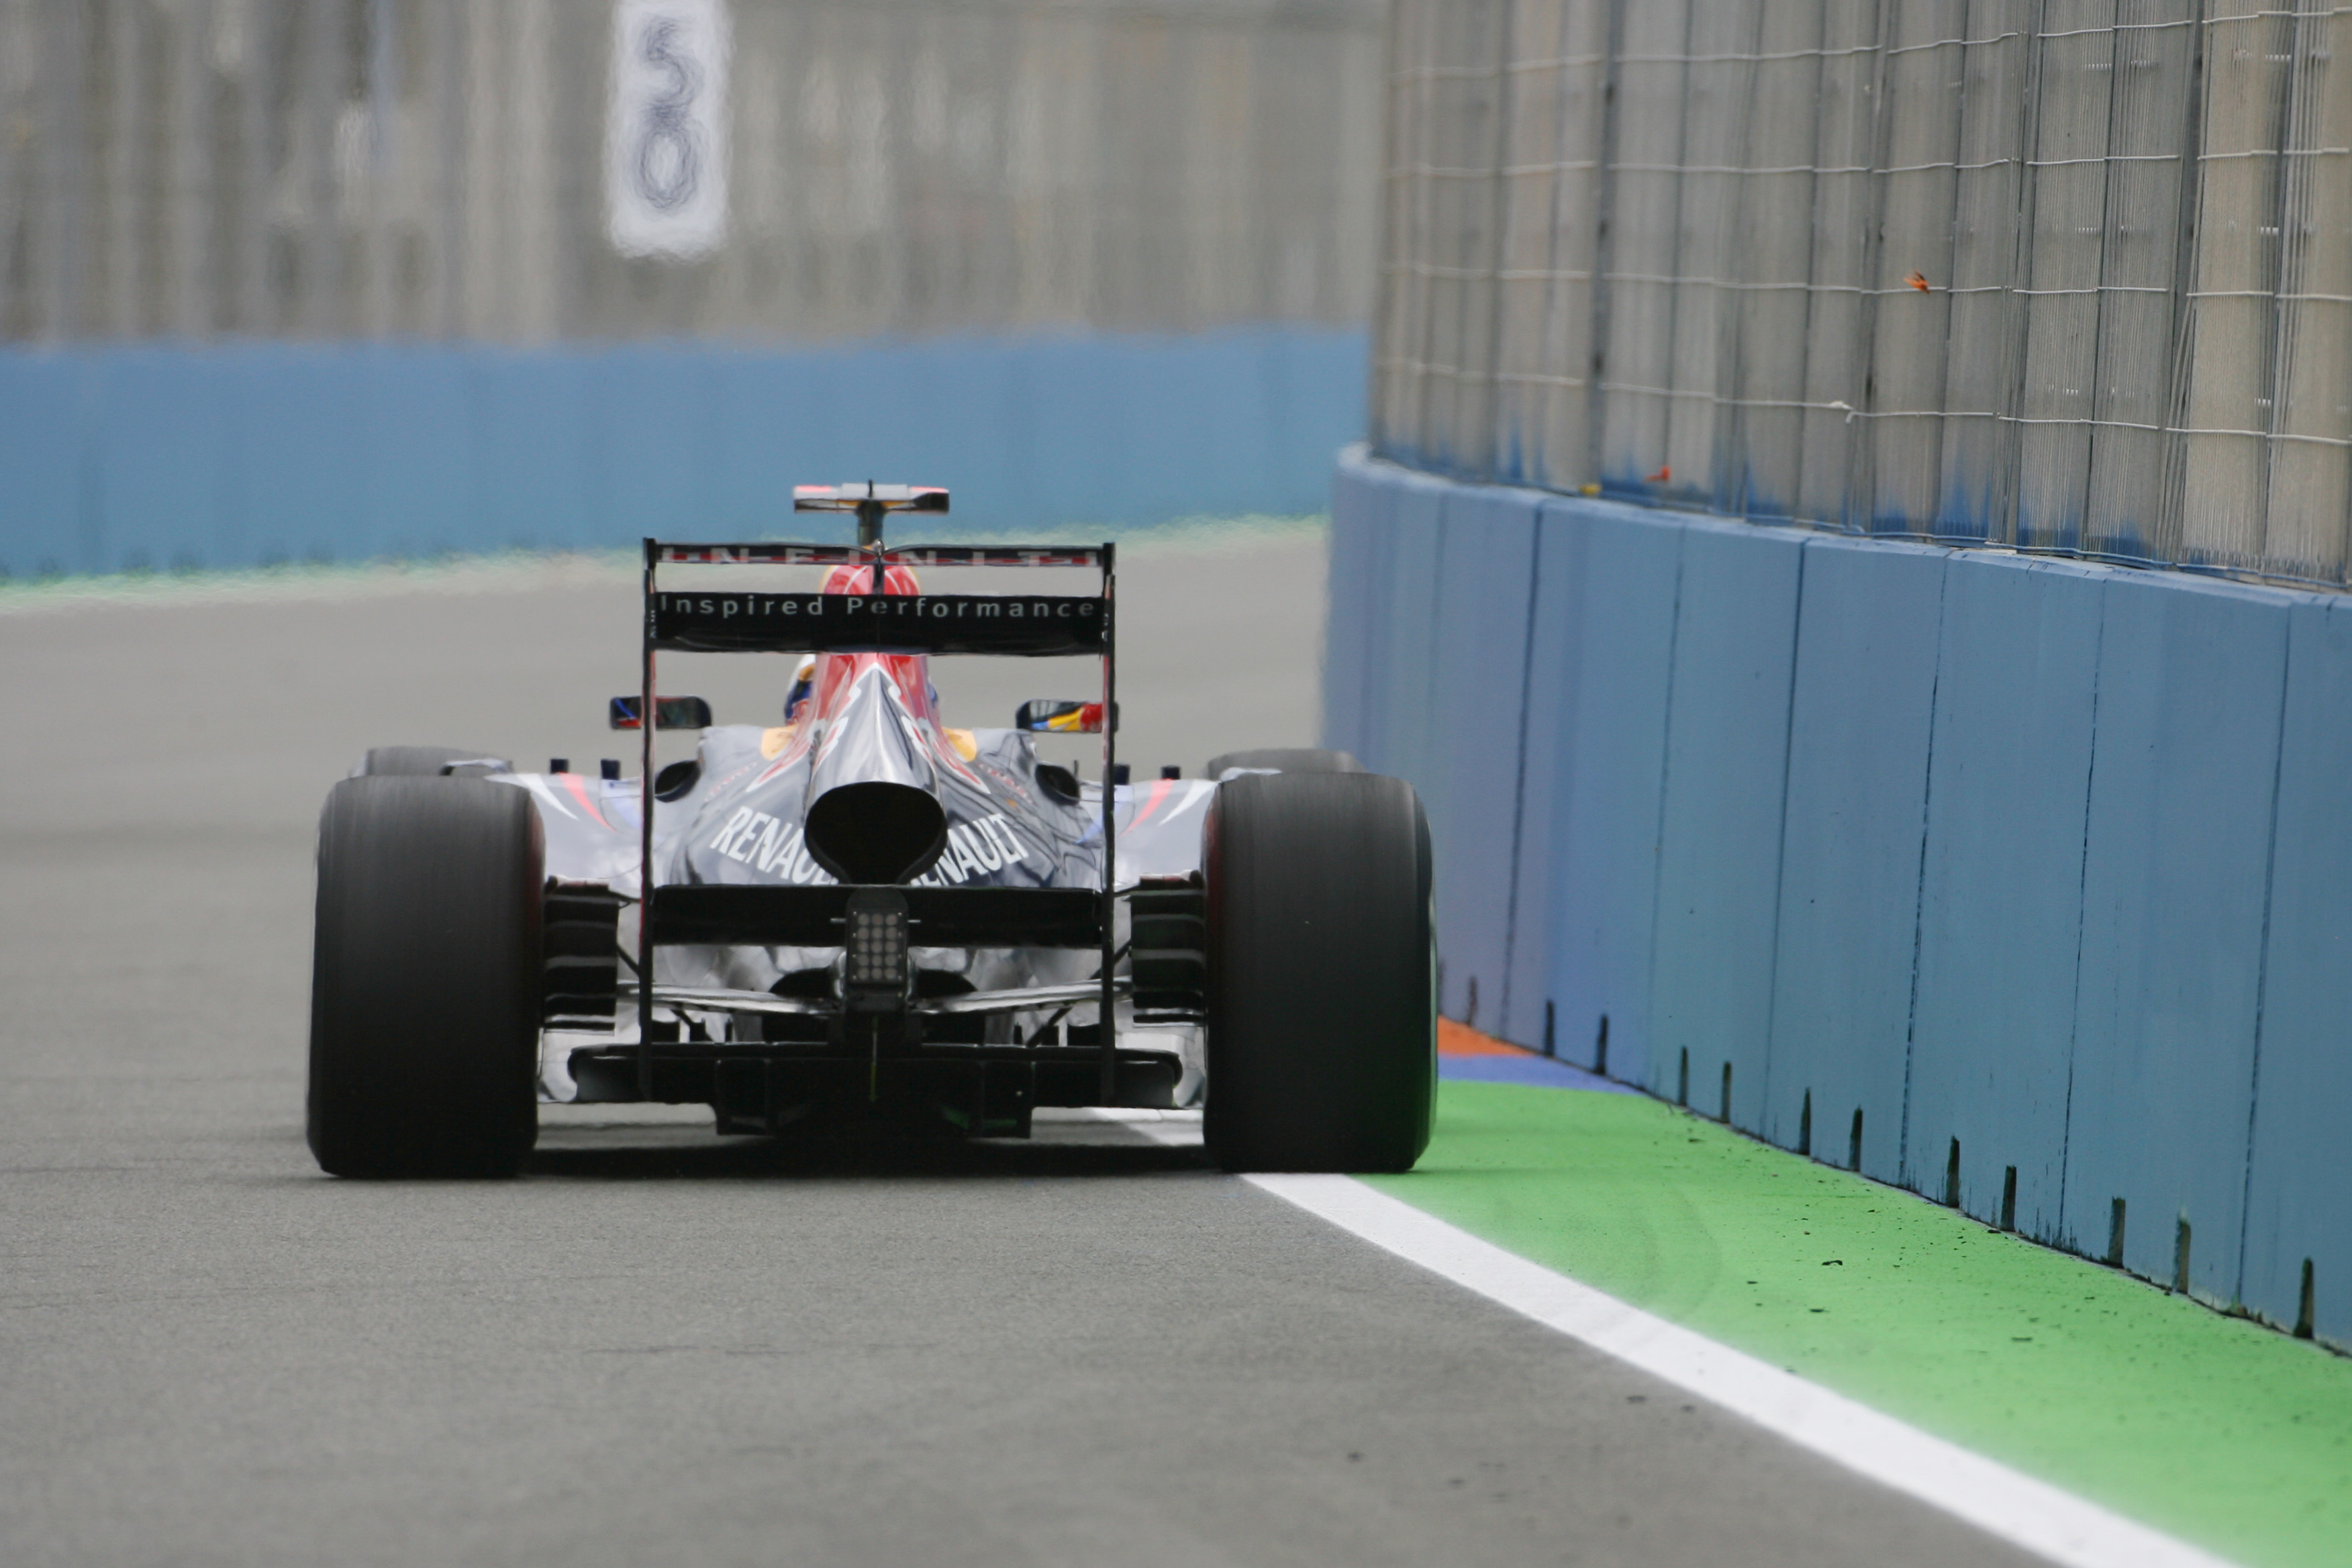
[[1596, 750], [1479, 673], [2299, 1202], [1719, 832], [299, 453], [1359, 517], [45, 522], [2191, 676], [1862, 709], [2000, 900], [1400, 726], [419, 404]]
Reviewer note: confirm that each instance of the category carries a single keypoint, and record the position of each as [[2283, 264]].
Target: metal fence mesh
[[435, 169], [2062, 275]]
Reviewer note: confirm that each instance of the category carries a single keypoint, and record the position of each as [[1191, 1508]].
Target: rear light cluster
[[875, 975]]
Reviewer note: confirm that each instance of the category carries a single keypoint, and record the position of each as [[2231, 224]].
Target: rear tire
[[411, 762], [1322, 1003], [1287, 760], [425, 978]]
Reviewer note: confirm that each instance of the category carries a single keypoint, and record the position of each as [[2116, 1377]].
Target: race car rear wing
[[1022, 626], [775, 555], [1031, 625]]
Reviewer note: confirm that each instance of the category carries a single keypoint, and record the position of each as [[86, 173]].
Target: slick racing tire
[[1287, 760], [1322, 1006], [425, 978], [412, 761]]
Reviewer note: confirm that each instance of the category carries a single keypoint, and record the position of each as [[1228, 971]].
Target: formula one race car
[[863, 917]]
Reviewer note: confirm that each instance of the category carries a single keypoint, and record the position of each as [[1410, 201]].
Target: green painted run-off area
[[2225, 1433]]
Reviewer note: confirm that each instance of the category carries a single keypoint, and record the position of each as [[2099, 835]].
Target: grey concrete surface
[[663, 1347]]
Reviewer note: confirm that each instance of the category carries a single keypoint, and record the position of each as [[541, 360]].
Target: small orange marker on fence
[[1917, 281], [1664, 476]]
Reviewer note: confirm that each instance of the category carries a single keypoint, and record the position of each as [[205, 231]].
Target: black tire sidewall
[[426, 977], [1322, 1012]]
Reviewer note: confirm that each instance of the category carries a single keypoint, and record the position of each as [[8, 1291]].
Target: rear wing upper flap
[[769, 552], [712, 620]]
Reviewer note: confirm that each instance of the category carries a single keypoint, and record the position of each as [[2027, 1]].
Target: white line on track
[[2001, 1502]]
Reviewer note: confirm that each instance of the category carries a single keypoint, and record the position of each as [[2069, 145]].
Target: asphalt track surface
[[663, 1347]]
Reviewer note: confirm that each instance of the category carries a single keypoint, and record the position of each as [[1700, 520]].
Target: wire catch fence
[[2058, 275]]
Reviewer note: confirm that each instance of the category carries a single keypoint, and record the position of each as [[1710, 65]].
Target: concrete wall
[[167, 455], [1943, 863]]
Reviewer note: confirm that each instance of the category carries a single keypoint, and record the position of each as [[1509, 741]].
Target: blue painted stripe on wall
[[161, 455], [2048, 787]]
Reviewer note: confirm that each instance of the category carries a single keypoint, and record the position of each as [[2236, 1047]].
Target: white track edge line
[[2005, 1503], [2002, 1503]]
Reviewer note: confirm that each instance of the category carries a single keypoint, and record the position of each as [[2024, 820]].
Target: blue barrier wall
[[2042, 868], [2301, 1168], [2002, 886], [1721, 793], [1600, 656], [163, 456], [2175, 877]]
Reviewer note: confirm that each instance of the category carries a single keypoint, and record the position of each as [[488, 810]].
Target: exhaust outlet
[[876, 831]]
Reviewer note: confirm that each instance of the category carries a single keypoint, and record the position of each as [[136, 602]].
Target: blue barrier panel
[[1360, 509], [416, 461], [1552, 561], [1555, 582], [1370, 743], [43, 522], [1402, 726], [1057, 386], [1485, 582], [232, 455], [767, 412], [1596, 751], [297, 452], [2184, 766], [1855, 816], [2299, 1198], [538, 455], [656, 469], [168, 459], [1719, 830], [2000, 898]]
